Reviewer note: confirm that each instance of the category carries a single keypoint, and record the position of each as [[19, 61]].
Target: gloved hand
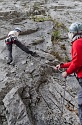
[[64, 74], [57, 67], [14, 38]]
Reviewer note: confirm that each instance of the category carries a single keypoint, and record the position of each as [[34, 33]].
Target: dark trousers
[[9, 49], [20, 45], [23, 47], [80, 100]]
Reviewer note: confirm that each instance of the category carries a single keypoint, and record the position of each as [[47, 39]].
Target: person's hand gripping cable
[[57, 67]]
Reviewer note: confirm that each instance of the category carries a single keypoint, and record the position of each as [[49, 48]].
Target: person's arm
[[73, 67], [62, 65], [75, 64], [76, 59], [65, 65]]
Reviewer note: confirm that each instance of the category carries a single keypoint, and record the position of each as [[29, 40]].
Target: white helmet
[[17, 29]]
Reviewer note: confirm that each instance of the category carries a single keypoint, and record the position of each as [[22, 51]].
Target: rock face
[[31, 92], [16, 110]]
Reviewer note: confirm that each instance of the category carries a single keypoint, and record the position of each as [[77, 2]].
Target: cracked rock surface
[[31, 92]]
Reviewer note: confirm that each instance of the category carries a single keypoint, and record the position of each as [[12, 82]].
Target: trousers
[[21, 46], [80, 101]]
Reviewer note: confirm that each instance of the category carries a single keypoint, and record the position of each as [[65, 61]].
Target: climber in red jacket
[[75, 65]]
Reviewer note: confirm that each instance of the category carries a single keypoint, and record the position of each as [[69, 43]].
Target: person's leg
[[9, 49], [80, 105], [24, 48]]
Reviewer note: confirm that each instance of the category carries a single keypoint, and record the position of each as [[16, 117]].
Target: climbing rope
[[63, 102]]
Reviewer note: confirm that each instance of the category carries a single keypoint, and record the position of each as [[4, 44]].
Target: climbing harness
[[10, 39]]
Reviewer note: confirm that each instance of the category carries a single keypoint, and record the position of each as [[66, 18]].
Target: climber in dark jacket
[[12, 38]]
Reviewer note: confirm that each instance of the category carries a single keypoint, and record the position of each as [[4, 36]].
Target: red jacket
[[76, 64]]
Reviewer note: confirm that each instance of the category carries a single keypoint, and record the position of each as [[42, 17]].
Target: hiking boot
[[35, 54], [9, 61]]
